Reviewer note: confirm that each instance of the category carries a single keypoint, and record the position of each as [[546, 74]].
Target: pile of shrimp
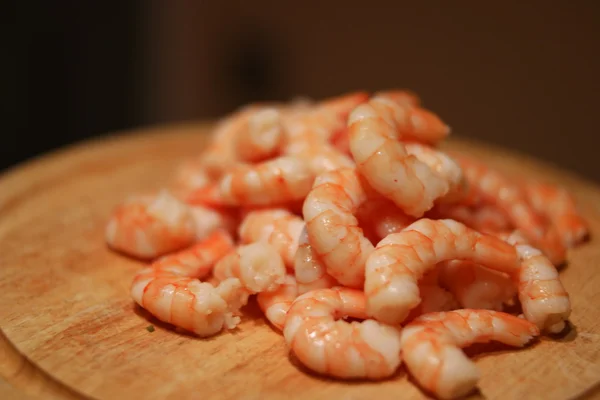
[[363, 242]]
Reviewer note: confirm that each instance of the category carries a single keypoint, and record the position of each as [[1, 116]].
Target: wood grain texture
[[65, 305]]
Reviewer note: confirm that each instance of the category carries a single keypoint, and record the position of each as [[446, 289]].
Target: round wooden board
[[65, 305]]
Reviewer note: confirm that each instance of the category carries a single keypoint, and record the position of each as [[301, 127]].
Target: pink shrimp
[[275, 304], [401, 259], [210, 219], [278, 227], [273, 182], [475, 286], [333, 231], [310, 272], [544, 299], [170, 289], [380, 217], [375, 130], [433, 299], [263, 137], [494, 188], [431, 346], [147, 227], [402, 97], [323, 342], [189, 176], [559, 207], [258, 266]]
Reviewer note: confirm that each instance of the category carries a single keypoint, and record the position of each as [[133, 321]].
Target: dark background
[[518, 74]]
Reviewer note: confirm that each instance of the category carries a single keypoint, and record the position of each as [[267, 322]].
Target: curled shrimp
[[170, 289], [543, 298], [431, 346], [278, 227], [494, 188], [375, 130], [333, 231], [325, 343], [263, 136], [275, 304], [210, 219], [189, 176], [401, 259], [150, 226], [280, 180], [258, 266], [443, 166], [559, 207], [475, 286], [310, 272], [433, 299]]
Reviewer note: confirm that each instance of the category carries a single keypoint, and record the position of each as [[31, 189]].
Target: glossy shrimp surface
[[431, 346], [276, 303], [147, 227], [309, 269], [321, 340], [543, 297], [171, 290], [401, 259], [382, 159], [263, 137], [333, 229]]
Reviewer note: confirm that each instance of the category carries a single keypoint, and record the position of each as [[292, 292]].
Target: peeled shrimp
[[189, 176], [258, 266], [431, 346], [559, 207], [494, 188], [333, 231], [375, 132], [310, 272], [475, 286], [277, 227], [210, 219], [150, 226], [170, 289], [401, 259], [544, 299], [433, 299], [275, 304], [263, 136], [323, 342], [402, 97], [273, 182], [380, 217]]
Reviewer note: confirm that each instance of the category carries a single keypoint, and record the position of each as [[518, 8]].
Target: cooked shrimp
[[258, 266], [170, 289], [275, 304], [475, 286], [442, 165], [323, 342], [333, 231], [431, 346], [278, 227], [402, 97], [273, 182], [263, 136], [379, 217], [401, 259], [433, 299], [507, 195], [150, 226], [310, 272], [189, 176], [383, 160], [484, 218], [544, 300], [209, 219], [559, 207]]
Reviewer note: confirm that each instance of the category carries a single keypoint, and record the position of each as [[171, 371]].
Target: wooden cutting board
[[72, 331]]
